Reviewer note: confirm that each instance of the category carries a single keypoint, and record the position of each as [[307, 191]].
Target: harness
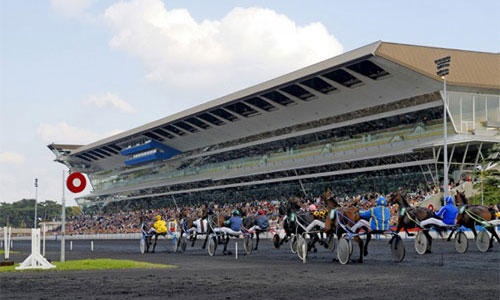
[[404, 212], [475, 217]]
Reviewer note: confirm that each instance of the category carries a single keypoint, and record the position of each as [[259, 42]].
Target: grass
[[2, 252], [95, 264]]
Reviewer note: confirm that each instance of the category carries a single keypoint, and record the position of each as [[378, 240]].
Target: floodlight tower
[[443, 65]]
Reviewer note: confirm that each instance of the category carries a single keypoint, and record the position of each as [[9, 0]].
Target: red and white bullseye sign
[[76, 182]]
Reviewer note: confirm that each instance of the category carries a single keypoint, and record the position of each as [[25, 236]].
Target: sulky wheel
[[398, 250], [248, 243], [343, 251], [142, 245], [461, 242], [293, 244], [212, 245], [483, 241], [301, 247], [421, 243], [276, 241], [332, 243]]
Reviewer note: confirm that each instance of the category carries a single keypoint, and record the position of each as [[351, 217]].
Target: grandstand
[[370, 119]]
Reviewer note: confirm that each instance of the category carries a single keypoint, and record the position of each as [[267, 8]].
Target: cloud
[[62, 132], [71, 8], [109, 100], [246, 46], [11, 158]]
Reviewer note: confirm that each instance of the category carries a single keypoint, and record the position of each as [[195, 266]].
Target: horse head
[[460, 198], [331, 202], [397, 198]]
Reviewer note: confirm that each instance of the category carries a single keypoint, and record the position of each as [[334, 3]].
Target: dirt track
[[265, 274]]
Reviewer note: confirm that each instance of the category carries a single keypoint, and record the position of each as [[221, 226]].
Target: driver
[[261, 222], [233, 225], [316, 222], [379, 217], [448, 213], [159, 226]]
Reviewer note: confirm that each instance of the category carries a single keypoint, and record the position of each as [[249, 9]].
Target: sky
[[75, 71]]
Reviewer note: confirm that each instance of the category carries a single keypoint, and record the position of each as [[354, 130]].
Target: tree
[[489, 179]]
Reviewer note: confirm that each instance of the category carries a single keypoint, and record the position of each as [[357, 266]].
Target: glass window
[[493, 109], [480, 108], [467, 108], [454, 110]]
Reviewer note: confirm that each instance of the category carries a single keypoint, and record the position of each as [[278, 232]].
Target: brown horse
[[345, 215], [217, 220], [473, 215], [408, 217]]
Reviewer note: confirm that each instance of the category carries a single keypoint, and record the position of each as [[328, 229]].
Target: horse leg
[[473, 228], [493, 234], [493, 231], [368, 239], [257, 241], [451, 234], [429, 239], [194, 239], [286, 238], [360, 243], [148, 243], [225, 245], [206, 238], [154, 245]]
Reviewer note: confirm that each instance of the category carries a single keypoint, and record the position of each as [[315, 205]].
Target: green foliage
[[96, 264], [22, 213], [490, 179]]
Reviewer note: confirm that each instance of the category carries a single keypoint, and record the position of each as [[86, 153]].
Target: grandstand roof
[[378, 73]]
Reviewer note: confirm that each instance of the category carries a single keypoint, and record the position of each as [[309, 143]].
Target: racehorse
[[188, 223], [288, 225], [408, 217], [217, 220], [337, 218], [248, 222], [149, 236], [291, 217], [472, 215]]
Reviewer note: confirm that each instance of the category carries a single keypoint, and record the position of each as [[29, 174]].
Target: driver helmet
[[312, 207], [260, 212], [236, 212], [158, 218], [381, 201], [449, 200]]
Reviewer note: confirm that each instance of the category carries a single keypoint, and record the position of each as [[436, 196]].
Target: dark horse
[[347, 216], [410, 217], [472, 215], [148, 236], [248, 222], [292, 216]]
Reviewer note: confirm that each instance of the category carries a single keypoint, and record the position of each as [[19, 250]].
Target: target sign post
[[76, 182]]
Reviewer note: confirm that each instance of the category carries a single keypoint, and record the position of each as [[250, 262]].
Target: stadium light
[[443, 65]]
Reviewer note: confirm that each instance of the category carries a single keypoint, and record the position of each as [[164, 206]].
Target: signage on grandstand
[[76, 182]]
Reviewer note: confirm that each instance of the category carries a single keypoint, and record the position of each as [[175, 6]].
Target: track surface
[[265, 274]]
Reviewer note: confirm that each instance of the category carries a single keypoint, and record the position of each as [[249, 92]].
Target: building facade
[[369, 120]]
